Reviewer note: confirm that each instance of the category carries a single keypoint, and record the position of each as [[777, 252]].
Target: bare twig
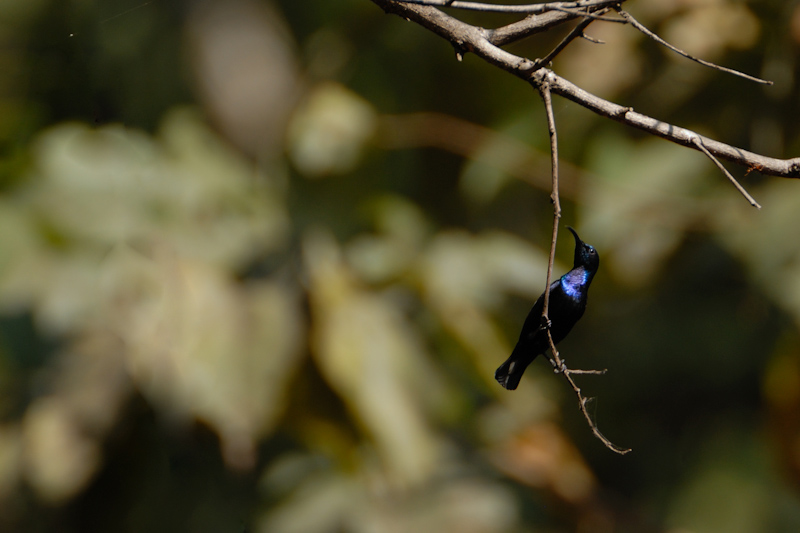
[[582, 401], [558, 363], [592, 39], [576, 32], [699, 143], [642, 28], [528, 9], [544, 90], [588, 14], [582, 372], [530, 25]]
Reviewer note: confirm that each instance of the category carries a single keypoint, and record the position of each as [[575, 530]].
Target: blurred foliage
[[259, 261]]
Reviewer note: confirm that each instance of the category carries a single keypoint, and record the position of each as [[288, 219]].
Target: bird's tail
[[510, 373]]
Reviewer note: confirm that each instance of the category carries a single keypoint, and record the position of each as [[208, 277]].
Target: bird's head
[[585, 254]]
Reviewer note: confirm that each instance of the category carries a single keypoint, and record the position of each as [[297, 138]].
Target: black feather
[[568, 297]]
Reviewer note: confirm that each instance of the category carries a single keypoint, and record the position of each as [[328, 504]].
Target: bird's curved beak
[[575, 234]]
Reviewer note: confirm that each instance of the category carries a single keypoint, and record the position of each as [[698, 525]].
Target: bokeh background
[[259, 261]]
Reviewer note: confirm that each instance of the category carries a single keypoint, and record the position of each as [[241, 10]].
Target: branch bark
[[485, 44]]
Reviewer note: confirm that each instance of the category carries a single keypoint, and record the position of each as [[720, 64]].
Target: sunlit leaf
[[762, 241], [369, 355], [59, 458], [211, 350], [329, 131], [402, 228], [141, 237], [324, 501]]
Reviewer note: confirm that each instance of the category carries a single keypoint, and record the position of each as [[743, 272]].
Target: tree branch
[[528, 26], [576, 32], [787, 168], [477, 40]]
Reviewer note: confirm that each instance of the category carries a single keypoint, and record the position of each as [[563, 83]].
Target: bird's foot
[[559, 366]]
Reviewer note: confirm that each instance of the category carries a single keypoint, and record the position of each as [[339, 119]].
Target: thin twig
[[642, 28], [531, 26], [582, 401], [558, 363], [592, 39], [561, 368], [576, 32], [583, 372], [544, 90], [589, 14], [528, 9], [699, 143]]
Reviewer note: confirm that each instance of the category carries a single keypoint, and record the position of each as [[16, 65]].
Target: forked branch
[[486, 45]]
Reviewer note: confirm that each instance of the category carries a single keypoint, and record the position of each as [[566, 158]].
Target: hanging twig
[[544, 90], [558, 363], [576, 32], [699, 143], [642, 28]]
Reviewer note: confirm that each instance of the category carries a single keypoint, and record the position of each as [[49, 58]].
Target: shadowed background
[[259, 261]]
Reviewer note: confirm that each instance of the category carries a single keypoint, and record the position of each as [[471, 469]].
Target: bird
[[568, 297]]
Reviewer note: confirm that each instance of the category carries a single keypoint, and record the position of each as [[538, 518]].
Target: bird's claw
[[558, 368]]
